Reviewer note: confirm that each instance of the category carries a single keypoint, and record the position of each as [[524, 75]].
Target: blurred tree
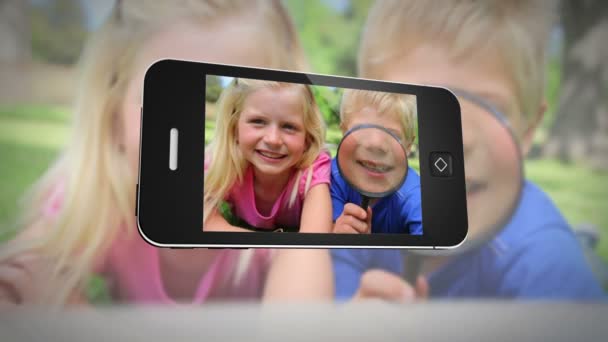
[[328, 100], [214, 88], [14, 32], [58, 30], [580, 127], [15, 50], [330, 32]]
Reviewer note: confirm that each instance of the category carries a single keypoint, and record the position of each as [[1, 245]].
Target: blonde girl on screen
[[274, 171]]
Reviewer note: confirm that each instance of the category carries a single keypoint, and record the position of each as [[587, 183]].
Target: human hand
[[354, 220], [21, 279], [379, 284]]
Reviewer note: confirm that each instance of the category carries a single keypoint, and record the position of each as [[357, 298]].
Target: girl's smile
[[270, 156]]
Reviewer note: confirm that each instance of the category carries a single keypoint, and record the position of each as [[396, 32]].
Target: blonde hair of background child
[[518, 29], [402, 106], [98, 181], [224, 172]]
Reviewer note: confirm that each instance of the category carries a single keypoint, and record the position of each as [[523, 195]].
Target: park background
[[40, 41]]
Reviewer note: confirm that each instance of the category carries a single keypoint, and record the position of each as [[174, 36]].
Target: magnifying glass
[[494, 177], [373, 161]]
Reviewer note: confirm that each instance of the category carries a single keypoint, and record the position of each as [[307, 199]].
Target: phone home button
[[441, 164]]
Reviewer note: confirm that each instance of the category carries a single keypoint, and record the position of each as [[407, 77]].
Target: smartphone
[[396, 148]]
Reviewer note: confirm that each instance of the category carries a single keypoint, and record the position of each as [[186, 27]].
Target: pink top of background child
[[133, 270]]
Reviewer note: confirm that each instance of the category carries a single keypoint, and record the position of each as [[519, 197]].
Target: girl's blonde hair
[[99, 198], [401, 106], [224, 172], [518, 29]]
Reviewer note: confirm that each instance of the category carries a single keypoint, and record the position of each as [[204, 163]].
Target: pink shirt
[[242, 197], [132, 269]]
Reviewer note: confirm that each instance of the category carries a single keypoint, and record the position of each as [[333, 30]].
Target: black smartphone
[[244, 148]]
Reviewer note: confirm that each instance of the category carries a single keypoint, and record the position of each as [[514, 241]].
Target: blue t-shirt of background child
[[535, 256], [398, 213]]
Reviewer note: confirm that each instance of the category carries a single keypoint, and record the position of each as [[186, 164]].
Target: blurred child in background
[[494, 50], [79, 218]]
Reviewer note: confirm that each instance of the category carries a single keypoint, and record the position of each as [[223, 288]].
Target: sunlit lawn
[[29, 140], [31, 136], [580, 193]]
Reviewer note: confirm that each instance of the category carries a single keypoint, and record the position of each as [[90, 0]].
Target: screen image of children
[[274, 173], [372, 134], [399, 209], [79, 220]]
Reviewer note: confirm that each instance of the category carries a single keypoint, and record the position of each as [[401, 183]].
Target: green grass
[[26, 132], [21, 165], [28, 144], [333, 135], [580, 193], [36, 113], [209, 131]]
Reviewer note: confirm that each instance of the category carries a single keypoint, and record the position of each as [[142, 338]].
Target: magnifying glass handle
[[411, 266], [364, 202]]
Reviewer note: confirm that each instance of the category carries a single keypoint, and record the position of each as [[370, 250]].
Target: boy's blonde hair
[[99, 198], [518, 29], [224, 172], [401, 106]]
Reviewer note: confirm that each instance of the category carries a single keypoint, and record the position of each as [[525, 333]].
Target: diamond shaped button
[[441, 164]]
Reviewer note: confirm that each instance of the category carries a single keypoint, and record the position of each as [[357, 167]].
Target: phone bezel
[[174, 97]]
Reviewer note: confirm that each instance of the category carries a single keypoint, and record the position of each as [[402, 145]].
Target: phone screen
[[362, 145]]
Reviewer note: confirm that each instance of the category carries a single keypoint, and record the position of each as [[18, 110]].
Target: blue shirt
[[536, 255], [398, 213]]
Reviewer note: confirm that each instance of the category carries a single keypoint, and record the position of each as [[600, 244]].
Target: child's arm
[[348, 217], [300, 275], [380, 284], [354, 220], [24, 275], [316, 212], [23, 279], [305, 274], [18, 283]]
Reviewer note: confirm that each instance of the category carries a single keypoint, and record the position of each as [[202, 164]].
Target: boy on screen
[[399, 212]]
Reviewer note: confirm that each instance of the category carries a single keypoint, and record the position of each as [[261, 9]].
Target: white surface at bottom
[[370, 321]]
